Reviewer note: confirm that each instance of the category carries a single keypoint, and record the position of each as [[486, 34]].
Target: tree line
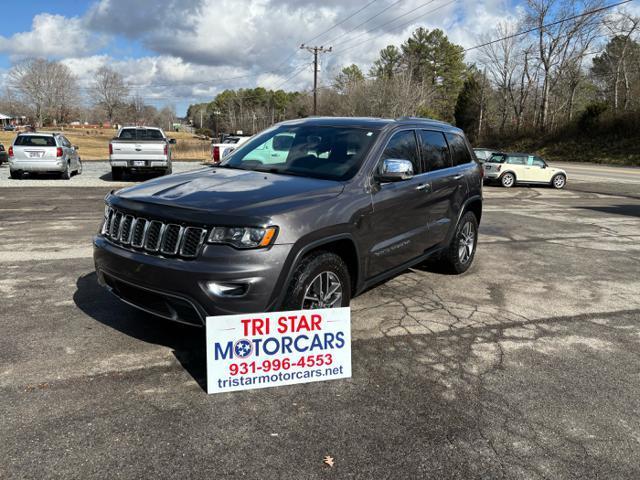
[[48, 93], [557, 63]]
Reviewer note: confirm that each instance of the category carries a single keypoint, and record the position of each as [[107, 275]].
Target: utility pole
[[315, 51]]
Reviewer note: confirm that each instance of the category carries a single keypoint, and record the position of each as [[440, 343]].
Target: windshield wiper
[[229, 166], [277, 170]]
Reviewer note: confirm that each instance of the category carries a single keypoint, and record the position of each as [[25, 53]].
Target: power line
[[557, 22], [387, 23], [399, 26], [341, 22], [365, 22]]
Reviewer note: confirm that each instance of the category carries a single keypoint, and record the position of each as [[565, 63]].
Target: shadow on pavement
[[187, 343], [627, 210]]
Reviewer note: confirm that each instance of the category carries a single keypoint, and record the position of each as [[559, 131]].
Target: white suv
[[43, 152], [512, 168]]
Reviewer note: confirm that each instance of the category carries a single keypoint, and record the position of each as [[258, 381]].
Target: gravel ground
[[95, 174]]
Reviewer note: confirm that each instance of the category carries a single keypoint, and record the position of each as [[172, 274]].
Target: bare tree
[[501, 60], [560, 31], [109, 91], [48, 88]]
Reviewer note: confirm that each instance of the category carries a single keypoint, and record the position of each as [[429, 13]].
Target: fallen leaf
[[328, 460]]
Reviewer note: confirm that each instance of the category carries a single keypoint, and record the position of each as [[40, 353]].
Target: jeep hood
[[225, 191]]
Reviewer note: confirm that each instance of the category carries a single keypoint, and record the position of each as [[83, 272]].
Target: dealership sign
[[281, 348]]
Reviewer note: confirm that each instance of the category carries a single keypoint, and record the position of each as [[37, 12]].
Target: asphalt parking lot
[[525, 367]]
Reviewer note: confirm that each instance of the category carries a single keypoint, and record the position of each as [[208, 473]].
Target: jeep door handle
[[423, 187], [458, 176]]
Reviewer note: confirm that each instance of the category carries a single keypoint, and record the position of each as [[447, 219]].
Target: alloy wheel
[[466, 243], [325, 291], [558, 181]]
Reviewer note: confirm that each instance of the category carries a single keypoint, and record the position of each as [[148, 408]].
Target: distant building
[[9, 120]]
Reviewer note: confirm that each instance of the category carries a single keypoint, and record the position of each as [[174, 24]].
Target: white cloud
[[197, 48], [52, 36]]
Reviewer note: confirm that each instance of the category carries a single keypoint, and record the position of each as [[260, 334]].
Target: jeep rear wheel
[[116, 173], [320, 281], [462, 249]]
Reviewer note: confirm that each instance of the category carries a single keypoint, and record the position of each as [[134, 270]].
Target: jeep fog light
[[226, 289]]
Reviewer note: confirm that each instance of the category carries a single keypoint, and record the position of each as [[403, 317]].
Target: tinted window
[[35, 141], [435, 152], [332, 153], [140, 134], [459, 151], [403, 146], [497, 158]]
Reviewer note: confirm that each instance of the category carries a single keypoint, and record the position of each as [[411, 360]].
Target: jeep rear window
[[326, 152], [34, 141], [140, 134]]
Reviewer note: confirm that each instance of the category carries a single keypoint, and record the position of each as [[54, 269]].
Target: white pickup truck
[[140, 149], [228, 145]]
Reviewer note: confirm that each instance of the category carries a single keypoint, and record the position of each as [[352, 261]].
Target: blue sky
[[175, 52]]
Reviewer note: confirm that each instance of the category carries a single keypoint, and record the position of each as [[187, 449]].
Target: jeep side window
[[435, 152], [459, 151], [403, 146], [516, 160]]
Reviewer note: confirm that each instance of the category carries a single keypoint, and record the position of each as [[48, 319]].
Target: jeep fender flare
[[295, 257]]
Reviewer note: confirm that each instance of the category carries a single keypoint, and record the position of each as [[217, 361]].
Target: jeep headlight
[[243, 237]]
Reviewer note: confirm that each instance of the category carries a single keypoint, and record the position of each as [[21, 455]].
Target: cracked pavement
[[525, 367]]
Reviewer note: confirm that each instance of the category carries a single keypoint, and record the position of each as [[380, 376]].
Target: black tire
[[16, 174], [311, 267], [559, 181], [508, 180], [116, 173], [453, 257], [66, 175]]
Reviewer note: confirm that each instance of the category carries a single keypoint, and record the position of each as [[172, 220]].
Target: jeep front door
[[399, 221]]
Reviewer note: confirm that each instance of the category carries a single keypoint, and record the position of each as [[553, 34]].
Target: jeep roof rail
[[422, 119]]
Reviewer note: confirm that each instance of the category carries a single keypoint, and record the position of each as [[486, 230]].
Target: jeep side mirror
[[172, 141], [394, 170], [76, 147]]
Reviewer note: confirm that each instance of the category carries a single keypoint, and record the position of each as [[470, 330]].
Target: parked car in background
[[140, 149], [353, 201], [43, 152], [4, 156], [228, 145], [484, 154], [8, 128], [512, 168]]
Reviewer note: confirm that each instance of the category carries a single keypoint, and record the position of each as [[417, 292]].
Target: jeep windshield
[[330, 153]]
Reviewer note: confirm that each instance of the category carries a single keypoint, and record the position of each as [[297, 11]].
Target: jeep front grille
[[153, 236]]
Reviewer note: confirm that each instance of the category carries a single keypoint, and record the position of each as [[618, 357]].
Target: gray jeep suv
[[305, 215]]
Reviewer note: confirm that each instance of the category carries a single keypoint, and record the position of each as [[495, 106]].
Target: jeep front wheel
[[320, 281]]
